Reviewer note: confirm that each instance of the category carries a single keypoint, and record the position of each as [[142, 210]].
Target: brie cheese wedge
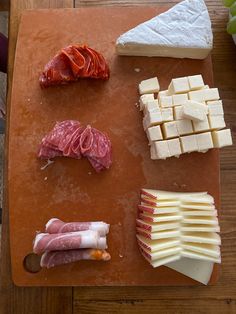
[[184, 31]]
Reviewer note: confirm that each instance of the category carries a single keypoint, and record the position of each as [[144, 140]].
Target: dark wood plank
[[4, 5], [14, 300]]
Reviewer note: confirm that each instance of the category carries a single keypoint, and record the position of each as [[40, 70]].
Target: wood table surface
[[220, 298]]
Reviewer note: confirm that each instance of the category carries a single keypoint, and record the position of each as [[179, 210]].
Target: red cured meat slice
[[68, 241], [51, 259], [70, 139], [74, 62], [55, 225]]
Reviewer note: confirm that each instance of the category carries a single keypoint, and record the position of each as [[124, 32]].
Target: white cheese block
[[200, 271], [201, 126], [216, 122], [179, 99], [156, 245], [196, 82], [184, 127], [167, 114], [188, 143], [161, 149], [204, 95], [215, 107], [158, 226], [174, 147], [164, 234], [178, 86], [194, 110], [204, 141], [162, 93], [144, 99], [152, 118], [166, 101], [178, 113], [184, 31], [222, 138], [149, 86], [151, 106], [154, 134], [169, 129]]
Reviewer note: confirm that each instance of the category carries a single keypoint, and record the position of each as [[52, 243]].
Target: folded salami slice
[[56, 225], [51, 259], [69, 139], [68, 241], [74, 62]]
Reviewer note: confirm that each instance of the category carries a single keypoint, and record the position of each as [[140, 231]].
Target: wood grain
[[4, 5], [214, 299]]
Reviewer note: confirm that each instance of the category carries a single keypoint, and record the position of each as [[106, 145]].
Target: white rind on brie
[[184, 31]]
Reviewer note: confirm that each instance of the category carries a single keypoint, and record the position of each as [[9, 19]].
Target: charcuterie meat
[[68, 241], [70, 139], [55, 258], [56, 225], [72, 63]]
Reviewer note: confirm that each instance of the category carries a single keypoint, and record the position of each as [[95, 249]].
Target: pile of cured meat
[[70, 139], [64, 243], [72, 63]]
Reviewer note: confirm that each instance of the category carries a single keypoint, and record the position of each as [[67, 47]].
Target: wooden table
[[216, 299]]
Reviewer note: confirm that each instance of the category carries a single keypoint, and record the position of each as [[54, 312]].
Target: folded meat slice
[[51, 259], [56, 225], [74, 62], [68, 241]]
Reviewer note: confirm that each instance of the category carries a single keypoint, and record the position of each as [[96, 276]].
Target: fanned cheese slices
[[174, 227], [184, 31]]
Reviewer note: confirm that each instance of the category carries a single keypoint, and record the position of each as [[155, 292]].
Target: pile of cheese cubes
[[188, 117], [173, 225]]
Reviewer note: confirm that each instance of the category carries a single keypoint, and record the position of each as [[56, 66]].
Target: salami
[[68, 241], [56, 225], [56, 258], [70, 139], [72, 63]]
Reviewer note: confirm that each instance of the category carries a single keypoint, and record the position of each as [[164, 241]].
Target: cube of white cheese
[[184, 127], [201, 126], [194, 110], [178, 86], [222, 138], [179, 99], [144, 99], [195, 82], [167, 114], [204, 141], [149, 86], [189, 143], [153, 152], [154, 134], [215, 108], [170, 129], [174, 147], [162, 93], [216, 122], [204, 94], [151, 106], [161, 149], [166, 101], [178, 113], [152, 118]]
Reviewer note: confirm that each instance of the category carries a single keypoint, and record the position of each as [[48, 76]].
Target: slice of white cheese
[[158, 226], [154, 256], [184, 31], [200, 271], [164, 234], [156, 245]]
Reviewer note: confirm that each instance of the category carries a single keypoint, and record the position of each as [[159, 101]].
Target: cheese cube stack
[[187, 117], [172, 226]]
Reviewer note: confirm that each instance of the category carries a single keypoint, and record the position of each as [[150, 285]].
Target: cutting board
[[70, 189]]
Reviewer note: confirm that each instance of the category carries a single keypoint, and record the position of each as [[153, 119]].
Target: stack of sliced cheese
[[188, 117], [173, 226]]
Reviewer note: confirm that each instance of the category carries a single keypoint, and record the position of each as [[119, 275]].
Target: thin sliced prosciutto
[[70, 139], [56, 258], [56, 225], [72, 63], [68, 241]]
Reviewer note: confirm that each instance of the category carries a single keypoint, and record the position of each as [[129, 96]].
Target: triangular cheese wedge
[[184, 31]]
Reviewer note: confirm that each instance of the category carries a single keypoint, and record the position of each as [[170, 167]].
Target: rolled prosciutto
[[51, 259], [68, 241], [56, 225]]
